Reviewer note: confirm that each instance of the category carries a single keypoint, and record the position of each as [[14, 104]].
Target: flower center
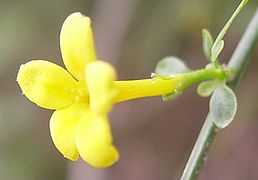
[[81, 94]]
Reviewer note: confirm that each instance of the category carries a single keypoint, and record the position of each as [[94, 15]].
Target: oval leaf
[[207, 42], [223, 106], [170, 66], [216, 50], [206, 88]]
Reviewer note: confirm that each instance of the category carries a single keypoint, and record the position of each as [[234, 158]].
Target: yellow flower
[[83, 94]]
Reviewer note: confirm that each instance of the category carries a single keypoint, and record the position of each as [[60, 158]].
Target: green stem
[[245, 48], [201, 75], [217, 64], [200, 150], [238, 62], [229, 22]]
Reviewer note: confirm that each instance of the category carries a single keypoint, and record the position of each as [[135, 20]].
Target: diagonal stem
[[241, 56], [237, 63]]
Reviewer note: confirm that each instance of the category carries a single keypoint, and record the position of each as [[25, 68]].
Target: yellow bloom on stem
[[83, 94]]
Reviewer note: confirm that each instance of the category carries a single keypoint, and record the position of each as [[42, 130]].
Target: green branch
[[245, 48], [238, 62]]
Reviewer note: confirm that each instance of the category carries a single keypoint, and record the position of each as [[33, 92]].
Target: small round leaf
[[223, 106], [206, 88], [170, 66]]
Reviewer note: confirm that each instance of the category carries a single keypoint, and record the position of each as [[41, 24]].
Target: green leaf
[[170, 66], [223, 106], [216, 50], [171, 96], [207, 42], [206, 88]]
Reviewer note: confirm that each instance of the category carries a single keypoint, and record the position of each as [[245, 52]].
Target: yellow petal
[[63, 124], [100, 78], [77, 46], [94, 141], [47, 84]]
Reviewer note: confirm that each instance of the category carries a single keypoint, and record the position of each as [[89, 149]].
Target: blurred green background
[[154, 138]]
